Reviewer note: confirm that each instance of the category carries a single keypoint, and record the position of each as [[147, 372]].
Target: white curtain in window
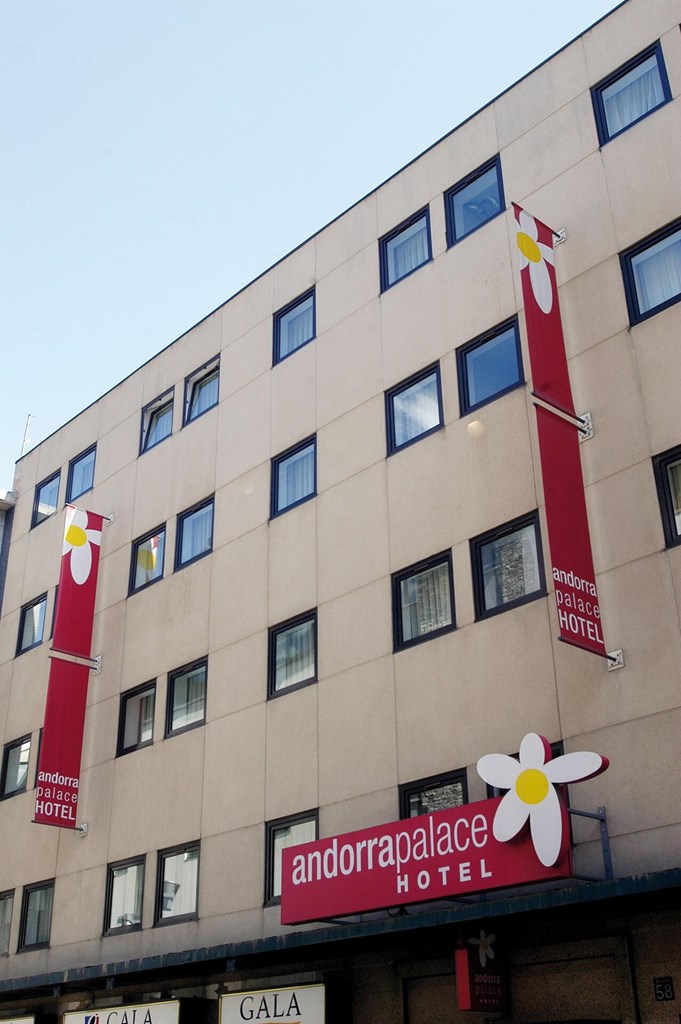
[[180, 878], [674, 477], [415, 410], [204, 395], [189, 698], [126, 896], [34, 623], [289, 835], [6, 908], [657, 272], [426, 602], [38, 916], [407, 250], [296, 327], [510, 567], [296, 478], [295, 649], [632, 96], [197, 533]]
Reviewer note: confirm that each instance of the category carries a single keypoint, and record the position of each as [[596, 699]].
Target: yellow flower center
[[76, 536], [528, 247], [532, 786]]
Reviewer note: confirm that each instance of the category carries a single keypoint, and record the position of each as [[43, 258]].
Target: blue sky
[[157, 156]]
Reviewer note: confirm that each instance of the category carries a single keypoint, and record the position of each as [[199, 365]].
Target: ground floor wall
[[591, 962]]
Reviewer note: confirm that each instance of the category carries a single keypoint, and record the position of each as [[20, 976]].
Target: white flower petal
[[490, 953], [546, 251], [94, 536], [582, 764], [528, 224], [81, 563], [541, 286], [511, 815], [534, 751], [498, 770], [546, 826]]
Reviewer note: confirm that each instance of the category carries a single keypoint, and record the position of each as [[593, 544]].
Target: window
[[124, 890], [508, 567], [436, 793], [81, 474], [489, 366], [285, 832], [136, 719], [32, 624], [201, 390], [667, 468], [147, 559], [186, 698], [6, 909], [473, 201], [293, 653], [630, 93], [652, 273], [36, 916], [413, 409], [423, 601], [294, 476], [46, 499], [157, 421], [194, 534], [177, 893], [405, 249], [294, 326], [15, 766]]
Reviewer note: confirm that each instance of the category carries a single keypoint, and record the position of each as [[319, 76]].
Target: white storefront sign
[[167, 1012], [303, 1004]]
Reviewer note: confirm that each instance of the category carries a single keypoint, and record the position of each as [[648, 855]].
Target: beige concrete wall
[[375, 718]]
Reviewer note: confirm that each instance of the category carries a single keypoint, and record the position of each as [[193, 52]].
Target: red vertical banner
[[62, 740], [579, 616]]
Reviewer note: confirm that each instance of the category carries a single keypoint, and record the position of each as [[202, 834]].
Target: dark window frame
[[661, 462], [12, 745], [191, 383], [70, 496], [36, 498], [22, 619], [273, 634], [107, 928], [409, 789], [277, 461], [136, 691], [169, 731], [465, 404], [28, 891], [460, 186], [383, 243], [476, 545], [630, 290], [277, 356], [398, 389], [181, 518], [597, 90], [149, 412], [271, 828], [172, 851], [397, 578], [132, 589]]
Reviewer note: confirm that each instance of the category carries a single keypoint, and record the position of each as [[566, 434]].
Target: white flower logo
[[530, 783], [535, 255], [484, 944], [78, 540]]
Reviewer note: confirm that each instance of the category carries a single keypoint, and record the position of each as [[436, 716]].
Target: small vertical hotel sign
[[481, 977], [579, 615], [62, 740]]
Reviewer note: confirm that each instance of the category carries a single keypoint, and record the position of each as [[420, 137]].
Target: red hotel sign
[[579, 616], [62, 740], [434, 856]]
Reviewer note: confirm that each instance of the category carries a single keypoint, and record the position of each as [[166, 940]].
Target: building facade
[[325, 592]]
